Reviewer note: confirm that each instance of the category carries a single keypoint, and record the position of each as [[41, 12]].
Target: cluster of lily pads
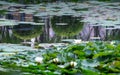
[[92, 58]]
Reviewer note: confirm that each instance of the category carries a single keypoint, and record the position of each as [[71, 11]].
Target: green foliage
[[75, 47], [69, 72], [118, 47], [89, 72], [92, 58]]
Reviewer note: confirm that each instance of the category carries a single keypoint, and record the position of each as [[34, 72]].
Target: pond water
[[55, 22]]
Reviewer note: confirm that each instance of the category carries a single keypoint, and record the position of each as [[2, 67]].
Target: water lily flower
[[73, 64], [56, 60], [112, 43], [77, 41], [39, 59]]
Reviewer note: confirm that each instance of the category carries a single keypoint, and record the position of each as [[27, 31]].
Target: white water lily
[[73, 64], [55, 60], [78, 41], [112, 43], [39, 59]]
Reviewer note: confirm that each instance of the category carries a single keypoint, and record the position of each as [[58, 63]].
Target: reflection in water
[[27, 31], [6, 35], [66, 26], [55, 29], [19, 33], [114, 35]]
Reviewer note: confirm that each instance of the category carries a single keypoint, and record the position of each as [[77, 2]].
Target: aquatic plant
[[39, 59], [97, 58]]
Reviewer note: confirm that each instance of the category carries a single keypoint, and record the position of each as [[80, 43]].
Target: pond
[[54, 22], [24, 27]]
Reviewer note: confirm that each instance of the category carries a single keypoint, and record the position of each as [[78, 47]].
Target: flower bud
[[56, 60], [73, 64]]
